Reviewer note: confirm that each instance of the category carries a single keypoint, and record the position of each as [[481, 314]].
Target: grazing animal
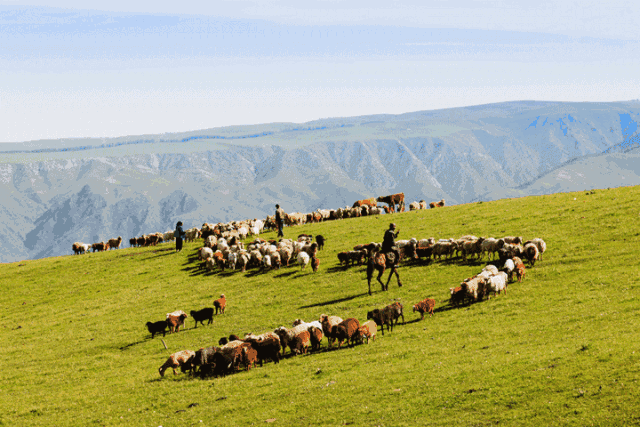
[[157, 327], [425, 306], [381, 261], [439, 204], [175, 320], [266, 345], [540, 244], [202, 315], [457, 296], [182, 359], [220, 304], [531, 253], [320, 241], [346, 330], [303, 259], [115, 243], [365, 202], [328, 322], [381, 318], [368, 330], [393, 200], [520, 270], [495, 284], [315, 263]]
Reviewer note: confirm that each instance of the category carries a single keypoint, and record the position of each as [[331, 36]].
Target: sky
[[71, 69]]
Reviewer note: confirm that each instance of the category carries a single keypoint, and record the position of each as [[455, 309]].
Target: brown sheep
[[425, 306], [175, 320], [346, 330], [115, 243], [220, 304], [182, 359]]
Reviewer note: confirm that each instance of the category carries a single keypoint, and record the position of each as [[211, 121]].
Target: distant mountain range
[[57, 192]]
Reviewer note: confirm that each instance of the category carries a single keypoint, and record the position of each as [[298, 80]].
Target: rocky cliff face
[[57, 192]]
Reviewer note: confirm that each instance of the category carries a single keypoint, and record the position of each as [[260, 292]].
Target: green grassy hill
[[561, 348]]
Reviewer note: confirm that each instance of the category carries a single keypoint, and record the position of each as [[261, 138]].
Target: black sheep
[[157, 327], [381, 317], [202, 315], [320, 241]]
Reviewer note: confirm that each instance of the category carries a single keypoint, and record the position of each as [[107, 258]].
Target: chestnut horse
[[381, 261]]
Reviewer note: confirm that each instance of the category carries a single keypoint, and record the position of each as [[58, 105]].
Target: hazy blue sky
[[76, 69]]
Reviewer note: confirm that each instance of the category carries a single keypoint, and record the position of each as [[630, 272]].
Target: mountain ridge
[[53, 198]]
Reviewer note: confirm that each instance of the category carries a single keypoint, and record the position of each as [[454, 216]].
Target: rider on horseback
[[389, 242]]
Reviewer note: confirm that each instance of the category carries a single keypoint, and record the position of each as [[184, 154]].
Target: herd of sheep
[[234, 352]]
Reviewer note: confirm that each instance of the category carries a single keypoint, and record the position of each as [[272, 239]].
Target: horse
[[381, 261]]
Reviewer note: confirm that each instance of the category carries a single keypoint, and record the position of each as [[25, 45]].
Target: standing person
[[389, 242], [179, 235], [280, 220]]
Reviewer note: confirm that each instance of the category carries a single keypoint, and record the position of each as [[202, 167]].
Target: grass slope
[[561, 348]]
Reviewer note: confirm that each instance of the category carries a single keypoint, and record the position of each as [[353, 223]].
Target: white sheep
[[496, 283], [303, 259], [205, 253], [509, 267]]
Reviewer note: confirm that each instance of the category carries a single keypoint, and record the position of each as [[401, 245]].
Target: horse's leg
[[380, 273]]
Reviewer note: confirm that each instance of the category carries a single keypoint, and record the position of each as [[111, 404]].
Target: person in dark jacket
[[280, 220], [389, 242], [179, 234]]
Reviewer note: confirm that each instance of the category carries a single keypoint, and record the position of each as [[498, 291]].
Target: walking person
[[280, 220], [389, 242], [179, 234]]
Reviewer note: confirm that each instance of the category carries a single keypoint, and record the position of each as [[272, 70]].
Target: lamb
[[425, 306], [303, 259], [368, 330], [175, 320], [346, 330], [182, 359], [220, 304], [520, 270], [202, 315], [531, 253], [157, 327]]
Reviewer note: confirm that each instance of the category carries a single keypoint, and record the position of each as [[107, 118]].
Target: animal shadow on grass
[[128, 346], [342, 268], [286, 273], [335, 301]]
